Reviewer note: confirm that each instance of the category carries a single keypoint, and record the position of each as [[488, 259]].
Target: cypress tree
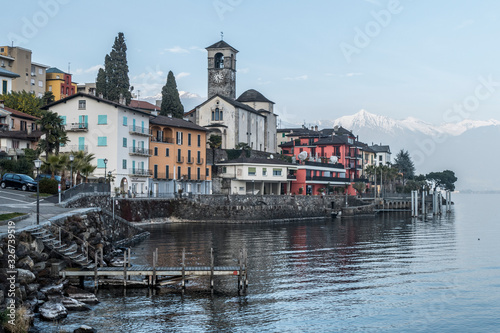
[[170, 100], [114, 80]]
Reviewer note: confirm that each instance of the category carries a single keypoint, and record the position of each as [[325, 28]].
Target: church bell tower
[[222, 70]]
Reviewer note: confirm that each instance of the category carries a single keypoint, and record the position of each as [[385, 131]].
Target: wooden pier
[[160, 275]]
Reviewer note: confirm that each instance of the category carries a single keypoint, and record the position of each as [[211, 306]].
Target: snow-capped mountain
[[454, 146]]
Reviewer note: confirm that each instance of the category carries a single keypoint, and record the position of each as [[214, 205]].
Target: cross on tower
[[221, 35]]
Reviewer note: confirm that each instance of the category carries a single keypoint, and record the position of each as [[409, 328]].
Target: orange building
[[60, 83], [178, 157]]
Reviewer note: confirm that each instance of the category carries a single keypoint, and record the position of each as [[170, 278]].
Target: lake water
[[389, 274]]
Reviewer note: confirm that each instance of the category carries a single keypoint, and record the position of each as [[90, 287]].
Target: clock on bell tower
[[222, 70]]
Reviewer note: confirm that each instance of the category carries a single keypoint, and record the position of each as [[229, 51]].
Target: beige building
[[32, 75]]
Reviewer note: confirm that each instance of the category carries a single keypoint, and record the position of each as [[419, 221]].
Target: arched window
[[219, 60], [217, 114]]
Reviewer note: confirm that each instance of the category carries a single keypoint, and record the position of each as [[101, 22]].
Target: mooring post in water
[[153, 283], [240, 274], [423, 205], [212, 270], [183, 283], [125, 269], [245, 256], [95, 272]]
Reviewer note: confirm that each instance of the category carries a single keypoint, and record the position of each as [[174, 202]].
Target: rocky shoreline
[[33, 289]]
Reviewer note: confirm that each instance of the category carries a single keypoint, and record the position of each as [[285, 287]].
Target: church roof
[[252, 95], [230, 101], [221, 45]]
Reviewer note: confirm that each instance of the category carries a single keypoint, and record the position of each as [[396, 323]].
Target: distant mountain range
[[467, 147]]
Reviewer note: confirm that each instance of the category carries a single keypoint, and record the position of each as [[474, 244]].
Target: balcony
[[328, 179], [139, 172], [180, 159], [199, 161], [162, 175], [162, 140], [68, 148], [291, 177], [144, 131], [361, 180], [139, 151], [77, 127], [325, 165], [190, 160]]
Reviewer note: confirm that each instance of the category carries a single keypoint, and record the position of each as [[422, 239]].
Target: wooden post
[[154, 266], [95, 272], [212, 270], [245, 283], [125, 269], [102, 257], [183, 283], [240, 275]]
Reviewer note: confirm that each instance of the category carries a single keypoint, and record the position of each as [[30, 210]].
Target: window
[[380, 158], [32, 82], [283, 134], [217, 115], [252, 171], [82, 104], [50, 88], [178, 172], [100, 163], [189, 156], [178, 155], [40, 83], [102, 141], [189, 173], [167, 152], [125, 142], [219, 60], [155, 171], [102, 119], [198, 157], [167, 169], [4, 87], [199, 140], [124, 121], [277, 172], [264, 171], [189, 139], [198, 174], [179, 138], [40, 70], [124, 164], [156, 151], [207, 172]]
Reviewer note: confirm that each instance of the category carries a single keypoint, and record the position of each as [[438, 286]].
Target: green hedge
[[48, 185]]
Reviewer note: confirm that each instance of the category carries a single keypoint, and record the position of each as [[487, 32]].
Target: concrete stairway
[[70, 252]]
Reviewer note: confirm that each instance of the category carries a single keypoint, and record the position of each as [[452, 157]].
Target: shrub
[[48, 185]]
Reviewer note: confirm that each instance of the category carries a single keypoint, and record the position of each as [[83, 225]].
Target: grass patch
[[10, 216], [42, 195]]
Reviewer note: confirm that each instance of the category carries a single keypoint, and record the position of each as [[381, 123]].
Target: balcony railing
[[83, 148], [291, 177], [139, 130], [139, 151], [139, 172], [162, 175], [77, 127], [190, 160], [180, 159], [163, 140], [199, 161], [328, 179], [325, 165]]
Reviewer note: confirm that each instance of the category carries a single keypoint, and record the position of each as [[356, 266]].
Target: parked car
[[56, 177], [17, 180]]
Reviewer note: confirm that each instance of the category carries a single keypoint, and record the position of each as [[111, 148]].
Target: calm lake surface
[[389, 274]]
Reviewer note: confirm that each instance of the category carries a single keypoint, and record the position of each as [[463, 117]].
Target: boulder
[[81, 295], [53, 289], [26, 263], [85, 329], [32, 287], [22, 249], [37, 245], [24, 276], [72, 304], [39, 266], [52, 310]]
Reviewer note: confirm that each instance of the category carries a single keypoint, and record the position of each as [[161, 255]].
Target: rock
[[81, 295], [85, 329], [53, 289], [53, 310], [22, 292], [37, 245], [72, 304], [39, 266], [26, 263], [32, 287], [41, 296], [24, 276], [1, 252], [22, 249]]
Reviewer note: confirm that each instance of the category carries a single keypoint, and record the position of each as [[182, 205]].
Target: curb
[[15, 219]]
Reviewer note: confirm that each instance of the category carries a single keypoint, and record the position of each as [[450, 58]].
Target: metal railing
[[199, 161], [139, 130], [325, 165], [139, 172], [139, 151], [83, 148], [164, 140], [77, 127], [85, 188]]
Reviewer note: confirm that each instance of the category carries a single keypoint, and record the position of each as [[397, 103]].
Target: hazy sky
[[434, 60]]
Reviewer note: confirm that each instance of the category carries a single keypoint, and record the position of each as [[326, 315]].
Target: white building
[[112, 132], [382, 154], [256, 176], [6, 78]]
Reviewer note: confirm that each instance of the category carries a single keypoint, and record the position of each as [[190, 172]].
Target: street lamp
[[109, 177], [38, 164], [105, 163], [71, 159]]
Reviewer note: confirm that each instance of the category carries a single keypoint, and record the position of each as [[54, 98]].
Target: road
[[12, 200]]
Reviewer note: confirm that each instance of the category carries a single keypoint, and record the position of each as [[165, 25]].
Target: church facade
[[248, 119]]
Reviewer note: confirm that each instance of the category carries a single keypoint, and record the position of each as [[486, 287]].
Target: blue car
[[19, 181]]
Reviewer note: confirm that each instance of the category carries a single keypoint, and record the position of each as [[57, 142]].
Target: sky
[[317, 60]]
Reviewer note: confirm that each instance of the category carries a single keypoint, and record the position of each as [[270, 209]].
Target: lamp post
[[109, 179], [71, 159], [38, 164], [105, 163]]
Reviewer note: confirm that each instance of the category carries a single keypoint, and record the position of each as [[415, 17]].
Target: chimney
[[336, 128], [316, 128], [121, 99], [1, 103], [169, 115], [154, 113]]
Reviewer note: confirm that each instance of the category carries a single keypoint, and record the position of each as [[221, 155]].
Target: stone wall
[[220, 208]]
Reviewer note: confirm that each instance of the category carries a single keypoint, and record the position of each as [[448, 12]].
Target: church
[[247, 119]]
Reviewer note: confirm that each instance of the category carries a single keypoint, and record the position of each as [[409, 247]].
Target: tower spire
[[221, 35]]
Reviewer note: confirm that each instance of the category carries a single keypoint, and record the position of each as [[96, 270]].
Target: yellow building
[[178, 157], [60, 83]]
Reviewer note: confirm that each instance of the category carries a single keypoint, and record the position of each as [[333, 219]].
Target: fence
[[85, 188]]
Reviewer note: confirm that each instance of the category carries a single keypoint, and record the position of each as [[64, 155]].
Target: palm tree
[[52, 126], [81, 162], [87, 170], [52, 165]]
